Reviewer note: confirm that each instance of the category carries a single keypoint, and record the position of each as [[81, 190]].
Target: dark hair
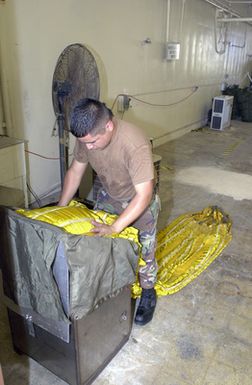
[[89, 116]]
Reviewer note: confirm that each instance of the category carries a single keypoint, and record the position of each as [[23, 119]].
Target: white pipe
[[182, 18], [223, 50], [240, 2], [168, 11], [236, 19], [223, 8], [228, 10]]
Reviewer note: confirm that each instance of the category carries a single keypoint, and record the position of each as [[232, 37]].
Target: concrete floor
[[201, 335]]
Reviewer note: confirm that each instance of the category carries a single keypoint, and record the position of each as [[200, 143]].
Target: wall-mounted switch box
[[123, 103], [172, 51]]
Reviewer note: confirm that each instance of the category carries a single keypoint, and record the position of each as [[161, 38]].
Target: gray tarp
[[98, 267]]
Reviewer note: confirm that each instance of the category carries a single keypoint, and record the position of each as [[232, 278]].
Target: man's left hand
[[101, 229]]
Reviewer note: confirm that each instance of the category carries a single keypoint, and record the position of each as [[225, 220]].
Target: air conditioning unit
[[221, 112]]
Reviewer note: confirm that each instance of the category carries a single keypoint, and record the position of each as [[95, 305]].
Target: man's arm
[[72, 181], [135, 208]]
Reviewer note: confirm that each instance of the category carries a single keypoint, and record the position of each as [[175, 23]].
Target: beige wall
[[33, 33]]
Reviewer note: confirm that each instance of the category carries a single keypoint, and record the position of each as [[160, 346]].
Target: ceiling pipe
[[223, 8], [240, 2], [168, 12], [236, 19]]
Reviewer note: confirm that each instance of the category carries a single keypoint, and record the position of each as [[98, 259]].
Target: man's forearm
[[135, 208], [133, 211], [72, 181], [71, 184]]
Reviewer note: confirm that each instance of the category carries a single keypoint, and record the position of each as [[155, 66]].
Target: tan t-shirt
[[125, 162]]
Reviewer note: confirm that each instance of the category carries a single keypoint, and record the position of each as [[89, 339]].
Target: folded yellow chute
[[76, 219], [185, 247]]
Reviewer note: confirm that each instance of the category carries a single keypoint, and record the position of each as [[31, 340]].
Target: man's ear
[[109, 126]]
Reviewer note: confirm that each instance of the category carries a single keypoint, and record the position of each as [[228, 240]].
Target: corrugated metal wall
[[128, 40], [200, 68]]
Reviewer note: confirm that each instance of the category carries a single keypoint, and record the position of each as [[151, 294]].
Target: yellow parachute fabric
[[76, 219], [187, 246]]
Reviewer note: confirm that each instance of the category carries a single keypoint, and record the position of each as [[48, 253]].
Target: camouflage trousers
[[147, 226]]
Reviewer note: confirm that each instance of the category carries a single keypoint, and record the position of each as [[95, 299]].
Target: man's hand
[[134, 209], [101, 229]]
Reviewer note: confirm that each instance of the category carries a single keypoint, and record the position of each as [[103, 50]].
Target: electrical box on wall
[[123, 103], [172, 51]]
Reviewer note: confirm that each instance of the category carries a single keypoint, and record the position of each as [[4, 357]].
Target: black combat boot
[[146, 307]]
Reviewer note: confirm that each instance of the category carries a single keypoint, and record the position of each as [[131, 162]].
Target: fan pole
[[62, 148], [61, 91]]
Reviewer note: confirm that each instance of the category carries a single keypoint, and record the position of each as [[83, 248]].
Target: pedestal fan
[[75, 77]]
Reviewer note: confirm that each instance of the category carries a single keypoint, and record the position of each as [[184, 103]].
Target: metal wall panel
[[128, 40]]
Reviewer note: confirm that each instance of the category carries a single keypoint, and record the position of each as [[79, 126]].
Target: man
[[121, 156]]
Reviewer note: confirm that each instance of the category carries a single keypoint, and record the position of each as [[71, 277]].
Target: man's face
[[98, 141]]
